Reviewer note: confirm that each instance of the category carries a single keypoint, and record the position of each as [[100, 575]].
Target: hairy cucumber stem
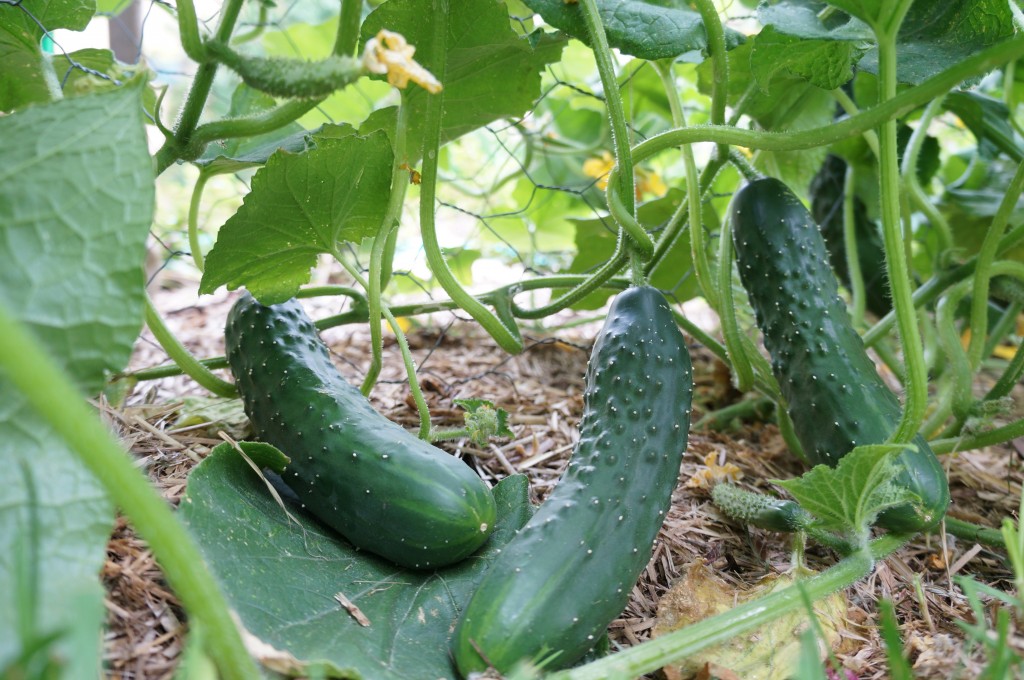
[[613, 102], [349, 20], [857, 288], [909, 170], [49, 391], [188, 29], [193, 219], [654, 654], [403, 346], [916, 385], [508, 338], [892, 108], [719, 63], [181, 356], [199, 92], [983, 272], [389, 225]]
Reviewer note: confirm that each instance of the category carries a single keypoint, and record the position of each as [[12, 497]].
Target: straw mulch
[[542, 389]]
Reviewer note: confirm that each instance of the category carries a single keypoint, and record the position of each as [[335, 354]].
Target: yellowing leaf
[[770, 651]]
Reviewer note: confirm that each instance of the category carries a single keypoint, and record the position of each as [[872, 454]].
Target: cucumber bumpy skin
[[376, 484], [836, 398], [556, 586]]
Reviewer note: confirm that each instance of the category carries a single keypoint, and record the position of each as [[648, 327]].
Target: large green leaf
[[26, 77], [827, 64], [490, 72], [301, 205], [646, 30], [282, 577], [933, 36], [76, 200], [785, 101]]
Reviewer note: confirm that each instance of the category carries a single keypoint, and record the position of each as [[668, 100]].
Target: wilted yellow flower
[[599, 168], [389, 53], [714, 473], [646, 181]]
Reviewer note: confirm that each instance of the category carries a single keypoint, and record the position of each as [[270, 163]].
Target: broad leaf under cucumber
[[555, 588], [836, 399], [378, 485]]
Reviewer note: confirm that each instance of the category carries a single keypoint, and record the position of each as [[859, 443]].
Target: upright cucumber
[[836, 399], [376, 484], [557, 585]]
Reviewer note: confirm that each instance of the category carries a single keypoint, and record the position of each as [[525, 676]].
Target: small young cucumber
[[376, 484], [556, 586], [836, 398]]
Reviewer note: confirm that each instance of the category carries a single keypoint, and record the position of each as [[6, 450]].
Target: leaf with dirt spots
[[284, 578]]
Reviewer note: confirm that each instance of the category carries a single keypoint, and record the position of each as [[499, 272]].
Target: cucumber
[[836, 398], [376, 484], [556, 586]]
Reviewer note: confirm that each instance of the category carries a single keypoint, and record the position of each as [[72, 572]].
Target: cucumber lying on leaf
[[376, 484], [556, 586]]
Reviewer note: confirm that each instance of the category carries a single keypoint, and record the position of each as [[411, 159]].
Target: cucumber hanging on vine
[[556, 586], [376, 484], [835, 396]]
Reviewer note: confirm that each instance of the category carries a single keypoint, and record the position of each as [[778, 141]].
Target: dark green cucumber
[[557, 585], [836, 398], [376, 484]]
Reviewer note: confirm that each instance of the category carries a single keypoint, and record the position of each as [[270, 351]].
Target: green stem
[[188, 30], [916, 385], [49, 391], [349, 20], [984, 270], [1004, 326], [1008, 380], [251, 126], [193, 219], [613, 101], [591, 283], [992, 437], [739, 360], [641, 240], [198, 93], [389, 225], [851, 109], [913, 186], [257, 30], [681, 215], [937, 284], [410, 370], [857, 288], [181, 356], [974, 533], [650, 656], [757, 408], [403, 345], [901, 104], [957, 360], [508, 338], [719, 63]]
